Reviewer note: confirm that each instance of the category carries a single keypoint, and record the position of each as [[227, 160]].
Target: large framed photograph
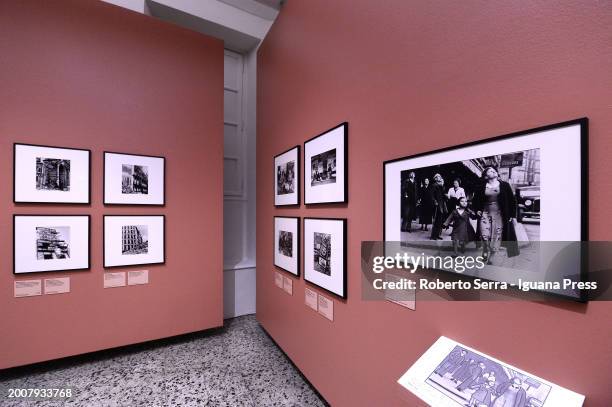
[[45, 174], [287, 244], [326, 167], [287, 177], [325, 254], [134, 179], [500, 198], [134, 240], [450, 374], [44, 243]]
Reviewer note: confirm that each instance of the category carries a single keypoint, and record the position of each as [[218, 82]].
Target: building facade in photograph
[[52, 174], [50, 244], [132, 240], [135, 179]]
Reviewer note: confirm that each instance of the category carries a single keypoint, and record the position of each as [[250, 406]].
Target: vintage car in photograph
[[528, 201]]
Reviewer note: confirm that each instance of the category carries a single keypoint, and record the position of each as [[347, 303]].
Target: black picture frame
[[297, 178], [345, 191], [88, 267], [131, 216], [298, 245], [583, 123], [344, 294], [89, 176], [104, 198]]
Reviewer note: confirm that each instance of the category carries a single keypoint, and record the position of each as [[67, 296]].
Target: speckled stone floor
[[235, 366]]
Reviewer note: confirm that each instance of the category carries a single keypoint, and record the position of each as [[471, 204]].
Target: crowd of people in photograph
[[492, 204], [469, 372]]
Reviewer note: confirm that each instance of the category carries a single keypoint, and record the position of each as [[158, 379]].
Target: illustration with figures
[[473, 380]]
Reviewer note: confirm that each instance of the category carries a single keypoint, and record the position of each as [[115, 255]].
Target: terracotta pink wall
[[411, 77], [90, 75]]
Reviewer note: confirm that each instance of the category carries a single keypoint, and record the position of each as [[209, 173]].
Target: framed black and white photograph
[[50, 243], [325, 254], [45, 174], [134, 240], [498, 198], [287, 244], [326, 167], [134, 179], [287, 177]]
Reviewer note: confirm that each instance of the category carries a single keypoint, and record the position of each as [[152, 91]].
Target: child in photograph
[[459, 219]]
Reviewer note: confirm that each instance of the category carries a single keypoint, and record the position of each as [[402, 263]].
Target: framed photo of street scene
[[505, 198], [326, 167], [134, 179], [134, 240], [44, 243], [287, 177], [325, 254], [287, 244], [450, 374], [45, 174]]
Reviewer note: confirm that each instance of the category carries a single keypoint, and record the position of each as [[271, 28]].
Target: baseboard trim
[[38, 367], [295, 366]]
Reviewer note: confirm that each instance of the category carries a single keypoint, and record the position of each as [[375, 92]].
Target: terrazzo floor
[[238, 365]]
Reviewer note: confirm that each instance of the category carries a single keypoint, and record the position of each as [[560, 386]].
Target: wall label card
[[326, 307], [138, 277], [114, 279], [310, 299], [59, 285], [288, 285], [278, 279], [28, 288], [449, 374]]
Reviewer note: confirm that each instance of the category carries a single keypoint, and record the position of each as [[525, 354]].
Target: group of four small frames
[[325, 181], [56, 175]]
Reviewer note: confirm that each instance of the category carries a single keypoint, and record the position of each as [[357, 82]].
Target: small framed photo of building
[[44, 243], [287, 177], [287, 244], [45, 174], [326, 167], [134, 179], [134, 240], [325, 254]]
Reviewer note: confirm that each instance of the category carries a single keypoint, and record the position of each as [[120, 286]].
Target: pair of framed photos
[[325, 170], [526, 194], [324, 251], [62, 242], [45, 174]]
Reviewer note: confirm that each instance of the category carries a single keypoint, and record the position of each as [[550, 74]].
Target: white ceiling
[[241, 24]]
